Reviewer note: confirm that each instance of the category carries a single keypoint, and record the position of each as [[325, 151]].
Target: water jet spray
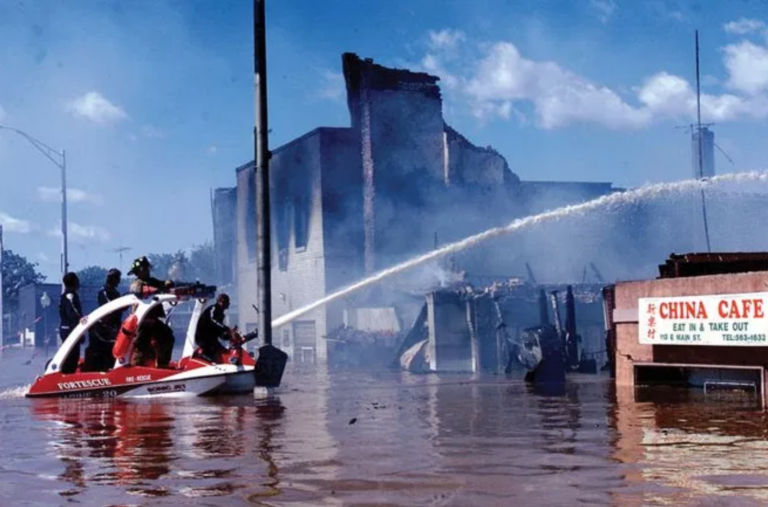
[[606, 201]]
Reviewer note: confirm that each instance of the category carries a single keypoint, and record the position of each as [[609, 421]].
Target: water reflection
[[271, 413], [391, 438], [134, 440], [469, 441], [686, 448], [159, 449]]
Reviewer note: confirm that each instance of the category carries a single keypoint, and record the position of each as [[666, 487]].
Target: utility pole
[[271, 360], [700, 174], [263, 238]]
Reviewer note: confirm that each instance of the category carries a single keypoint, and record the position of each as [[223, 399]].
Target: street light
[[61, 163], [45, 302]]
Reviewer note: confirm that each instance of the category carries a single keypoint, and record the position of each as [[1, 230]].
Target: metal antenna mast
[[700, 174], [120, 252]]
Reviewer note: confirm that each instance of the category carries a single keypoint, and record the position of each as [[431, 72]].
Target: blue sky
[[153, 100]]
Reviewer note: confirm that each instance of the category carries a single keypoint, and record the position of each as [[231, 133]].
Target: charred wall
[[470, 165], [420, 176], [316, 233], [398, 115]]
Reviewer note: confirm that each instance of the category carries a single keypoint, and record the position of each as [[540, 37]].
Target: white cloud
[[744, 26], [333, 86], [212, 150], [93, 106], [86, 232], [560, 97], [603, 9], [12, 224], [747, 65], [2, 113], [445, 39], [669, 96], [503, 79], [53, 194], [666, 93]]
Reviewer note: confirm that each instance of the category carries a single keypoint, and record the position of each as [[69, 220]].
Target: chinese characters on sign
[[726, 320]]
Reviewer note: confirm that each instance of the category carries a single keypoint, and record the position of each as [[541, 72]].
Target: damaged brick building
[[347, 202]]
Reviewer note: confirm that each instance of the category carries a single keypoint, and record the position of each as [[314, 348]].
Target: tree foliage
[[202, 263], [92, 275], [17, 272], [184, 267]]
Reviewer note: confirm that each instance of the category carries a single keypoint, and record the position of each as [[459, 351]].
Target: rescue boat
[[191, 375]]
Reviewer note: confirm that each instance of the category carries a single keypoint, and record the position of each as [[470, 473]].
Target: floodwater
[[382, 438]]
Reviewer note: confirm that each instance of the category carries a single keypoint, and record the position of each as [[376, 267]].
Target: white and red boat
[[191, 375]]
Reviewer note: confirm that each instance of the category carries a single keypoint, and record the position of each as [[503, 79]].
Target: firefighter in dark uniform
[[145, 285], [211, 328], [70, 313], [98, 354], [154, 338]]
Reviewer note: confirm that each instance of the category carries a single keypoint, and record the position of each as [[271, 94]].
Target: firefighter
[[70, 313], [145, 285], [98, 354], [211, 328], [154, 341]]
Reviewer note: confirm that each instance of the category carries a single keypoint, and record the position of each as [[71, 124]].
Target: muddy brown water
[[383, 438]]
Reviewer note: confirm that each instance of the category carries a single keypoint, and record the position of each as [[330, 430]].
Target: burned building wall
[[398, 115], [298, 277], [467, 164], [301, 201], [343, 225]]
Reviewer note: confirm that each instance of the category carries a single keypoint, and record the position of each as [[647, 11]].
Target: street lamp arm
[[41, 146], [61, 164]]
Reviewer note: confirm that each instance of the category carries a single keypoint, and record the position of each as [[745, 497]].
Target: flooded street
[[380, 438]]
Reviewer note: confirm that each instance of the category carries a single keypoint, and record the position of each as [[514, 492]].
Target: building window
[[286, 338]]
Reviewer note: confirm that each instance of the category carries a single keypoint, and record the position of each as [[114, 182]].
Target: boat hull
[[241, 382], [134, 382]]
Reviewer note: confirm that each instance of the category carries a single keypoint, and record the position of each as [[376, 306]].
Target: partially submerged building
[[702, 323]]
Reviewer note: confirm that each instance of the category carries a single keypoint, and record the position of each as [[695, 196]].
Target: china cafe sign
[[726, 320]]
